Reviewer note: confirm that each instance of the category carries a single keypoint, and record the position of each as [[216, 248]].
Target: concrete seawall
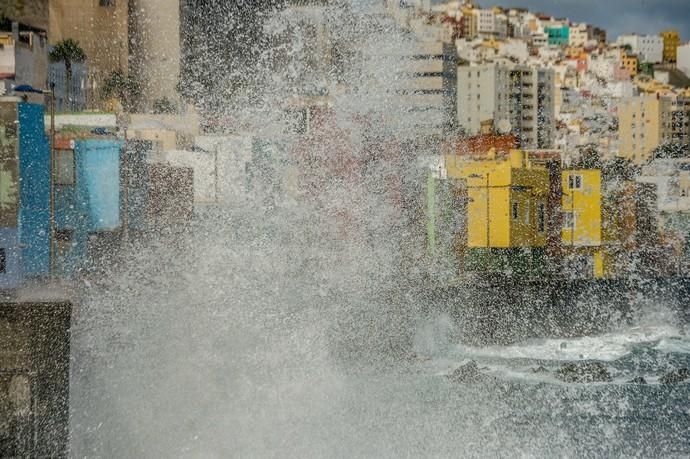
[[504, 310], [34, 378]]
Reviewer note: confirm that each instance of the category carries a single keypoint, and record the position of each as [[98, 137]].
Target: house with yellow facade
[[671, 40], [581, 234], [506, 210]]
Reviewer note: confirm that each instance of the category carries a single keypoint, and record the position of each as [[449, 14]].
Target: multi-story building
[[512, 190], [486, 26], [599, 35], [639, 121], [558, 35], [579, 35], [646, 122], [582, 222], [677, 122], [629, 62], [470, 23], [516, 99], [649, 48], [671, 40], [23, 58], [683, 59], [155, 47], [519, 22], [416, 101], [102, 31], [539, 39], [508, 210]]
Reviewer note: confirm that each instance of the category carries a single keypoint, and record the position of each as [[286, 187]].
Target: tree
[[69, 52], [123, 87]]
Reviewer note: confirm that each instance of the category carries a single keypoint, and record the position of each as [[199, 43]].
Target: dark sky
[[616, 16]]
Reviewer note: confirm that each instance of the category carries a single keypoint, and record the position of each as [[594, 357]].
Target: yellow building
[[507, 195], [582, 221], [640, 127], [671, 42], [629, 62], [471, 23]]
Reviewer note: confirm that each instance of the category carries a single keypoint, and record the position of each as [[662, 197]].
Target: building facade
[[102, 31], [579, 35], [649, 48], [23, 58], [155, 51], [683, 59], [507, 210], [582, 222], [516, 99], [646, 122], [558, 35], [630, 63], [671, 40]]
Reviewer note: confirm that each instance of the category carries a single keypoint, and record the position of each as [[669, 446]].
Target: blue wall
[[92, 204], [34, 189], [558, 36]]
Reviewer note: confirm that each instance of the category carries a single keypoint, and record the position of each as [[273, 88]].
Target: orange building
[[630, 63]]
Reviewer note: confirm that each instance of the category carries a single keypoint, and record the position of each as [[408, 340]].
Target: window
[[541, 217], [527, 213], [64, 167], [569, 220], [574, 182], [3, 261], [516, 211]]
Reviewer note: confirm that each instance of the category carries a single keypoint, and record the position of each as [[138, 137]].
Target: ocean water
[[270, 327], [241, 340]]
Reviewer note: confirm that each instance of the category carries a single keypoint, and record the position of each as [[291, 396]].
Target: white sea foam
[[608, 347]]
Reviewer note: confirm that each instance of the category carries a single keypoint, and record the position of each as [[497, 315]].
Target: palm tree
[[67, 51]]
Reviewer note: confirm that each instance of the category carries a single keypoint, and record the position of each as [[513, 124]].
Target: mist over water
[[286, 323]]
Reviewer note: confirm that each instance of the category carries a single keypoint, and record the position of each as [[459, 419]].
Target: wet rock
[[676, 376], [466, 373], [638, 380], [539, 369], [583, 372]]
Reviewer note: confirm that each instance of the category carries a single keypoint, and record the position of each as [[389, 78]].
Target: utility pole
[[488, 213], [52, 177]]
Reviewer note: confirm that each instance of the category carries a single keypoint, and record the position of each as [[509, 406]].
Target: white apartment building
[[539, 39], [490, 24], [517, 97], [579, 35], [671, 177], [649, 48], [604, 65], [515, 49], [683, 59]]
